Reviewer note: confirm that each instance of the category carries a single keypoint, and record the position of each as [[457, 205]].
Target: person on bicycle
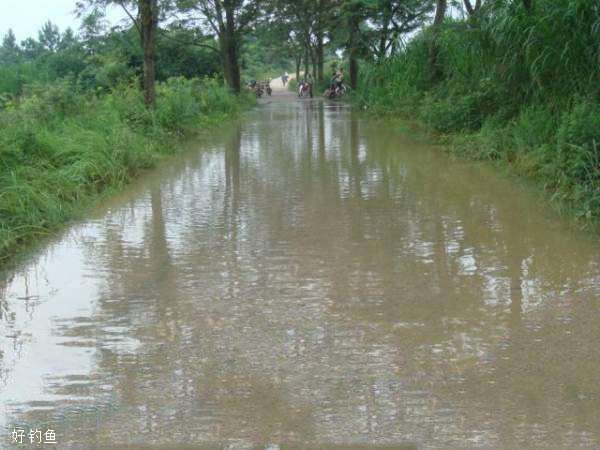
[[337, 80], [300, 86]]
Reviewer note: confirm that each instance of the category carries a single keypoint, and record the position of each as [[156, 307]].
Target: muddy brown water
[[308, 278]]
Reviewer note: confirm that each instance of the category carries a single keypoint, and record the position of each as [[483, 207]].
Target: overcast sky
[[26, 17]]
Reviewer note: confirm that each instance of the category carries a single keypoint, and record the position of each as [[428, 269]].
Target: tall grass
[[518, 87], [61, 148]]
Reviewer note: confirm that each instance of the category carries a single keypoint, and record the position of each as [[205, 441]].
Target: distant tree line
[[203, 37]]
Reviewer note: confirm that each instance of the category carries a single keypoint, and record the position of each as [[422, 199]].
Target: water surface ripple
[[309, 278]]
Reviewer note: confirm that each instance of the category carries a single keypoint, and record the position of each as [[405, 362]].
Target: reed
[[517, 87], [61, 148]]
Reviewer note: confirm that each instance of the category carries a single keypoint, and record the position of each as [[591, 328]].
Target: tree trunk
[[471, 10], [353, 51], [469, 7], [322, 13], [384, 34], [232, 65], [298, 65], [320, 57], [440, 13], [229, 62], [148, 25], [234, 68], [311, 60], [225, 62], [380, 52], [353, 69], [305, 63]]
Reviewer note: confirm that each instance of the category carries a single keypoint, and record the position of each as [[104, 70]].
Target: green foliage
[[10, 53], [178, 111], [101, 62], [292, 85], [265, 56], [61, 147], [105, 71], [187, 53], [13, 77], [518, 87]]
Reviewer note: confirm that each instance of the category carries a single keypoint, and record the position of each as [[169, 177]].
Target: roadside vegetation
[[61, 148], [514, 82], [75, 122]]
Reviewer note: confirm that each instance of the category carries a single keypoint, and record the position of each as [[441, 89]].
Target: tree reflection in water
[[313, 278]]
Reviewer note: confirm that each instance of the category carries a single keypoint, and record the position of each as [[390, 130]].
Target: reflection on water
[[309, 279]]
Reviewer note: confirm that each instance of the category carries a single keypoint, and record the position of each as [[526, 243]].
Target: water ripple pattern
[[308, 278]]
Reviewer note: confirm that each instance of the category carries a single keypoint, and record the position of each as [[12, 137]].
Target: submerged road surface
[[308, 278]]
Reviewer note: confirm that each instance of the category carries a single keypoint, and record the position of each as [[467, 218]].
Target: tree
[[306, 23], [229, 20], [69, 58], [188, 52], [10, 52], [390, 19], [49, 37], [440, 13], [145, 16], [32, 49], [322, 19], [292, 18], [148, 23], [472, 9], [353, 14], [295, 46], [67, 40], [93, 28]]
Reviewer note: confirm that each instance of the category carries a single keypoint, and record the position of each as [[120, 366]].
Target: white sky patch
[[26, 17]]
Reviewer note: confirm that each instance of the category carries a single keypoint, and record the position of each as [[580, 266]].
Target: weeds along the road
[[61, 149], [516, 86]]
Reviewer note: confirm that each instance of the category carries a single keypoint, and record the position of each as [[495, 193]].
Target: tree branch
[[196, 44], [133, 19]]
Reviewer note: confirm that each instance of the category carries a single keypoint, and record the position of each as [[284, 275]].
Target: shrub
[[517, 87], [61, 148]]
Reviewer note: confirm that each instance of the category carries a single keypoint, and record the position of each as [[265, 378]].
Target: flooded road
[[309, 279]]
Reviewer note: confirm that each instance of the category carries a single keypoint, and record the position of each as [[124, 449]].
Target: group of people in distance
[[336, 86]]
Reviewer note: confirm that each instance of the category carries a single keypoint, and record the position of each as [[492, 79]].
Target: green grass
[[516, 88], [61, 149], [292, 85]]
